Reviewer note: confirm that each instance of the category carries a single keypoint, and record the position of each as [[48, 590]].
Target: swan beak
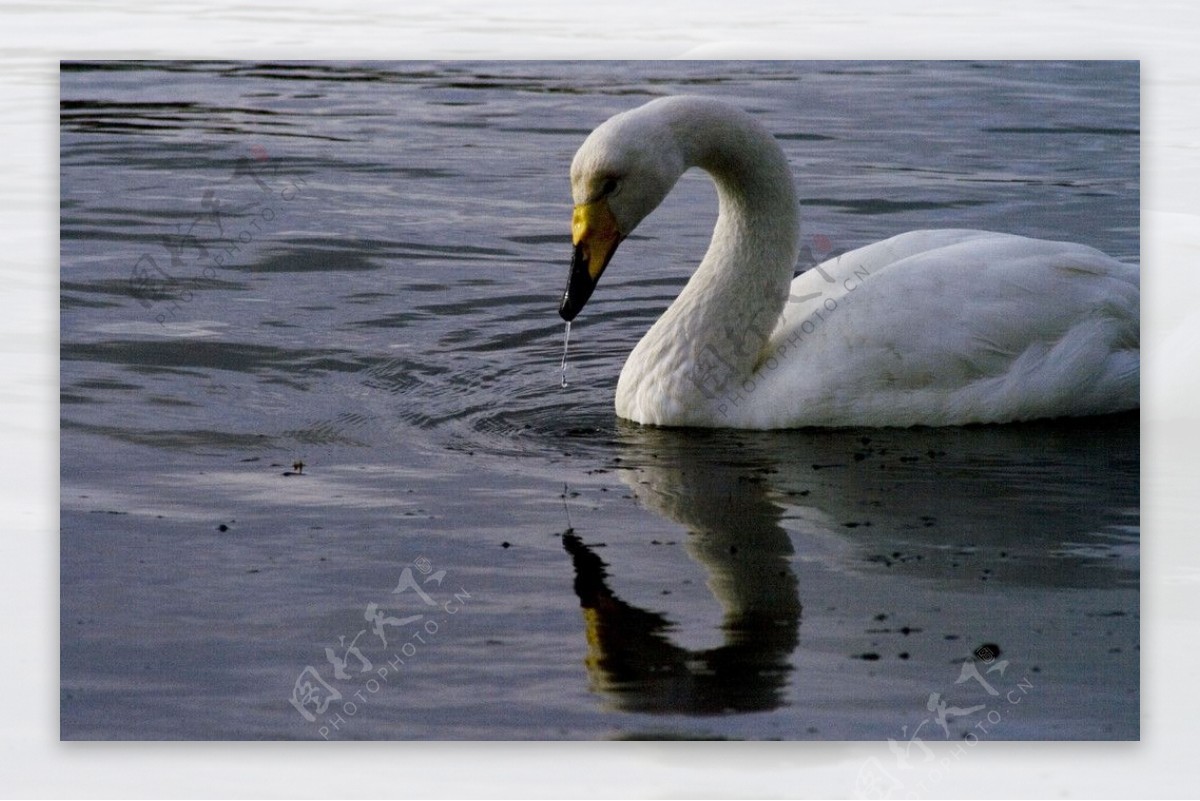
[[595, 235]]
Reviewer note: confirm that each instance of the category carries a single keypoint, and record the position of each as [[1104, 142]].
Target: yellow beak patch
[[594, 230]]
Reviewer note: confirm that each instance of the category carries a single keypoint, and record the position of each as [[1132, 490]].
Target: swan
[[931, 327]]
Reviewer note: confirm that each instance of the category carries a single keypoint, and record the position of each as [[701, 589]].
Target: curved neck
[[754, 244], [731, 304]]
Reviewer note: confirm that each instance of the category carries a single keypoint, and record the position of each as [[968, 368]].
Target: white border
[[32, 40]]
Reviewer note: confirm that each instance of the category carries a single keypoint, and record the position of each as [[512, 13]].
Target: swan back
[[948, 327]]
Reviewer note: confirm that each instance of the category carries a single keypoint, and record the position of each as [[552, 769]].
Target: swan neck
[[747, 271], [758, 223], [715, 333]]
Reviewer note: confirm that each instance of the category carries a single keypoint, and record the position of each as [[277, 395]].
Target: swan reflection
[[1041, 506], [734, 531]]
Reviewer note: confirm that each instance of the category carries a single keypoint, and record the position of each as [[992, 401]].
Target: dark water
[[357, 267]]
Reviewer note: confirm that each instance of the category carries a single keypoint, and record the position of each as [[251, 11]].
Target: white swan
[[940, 327]]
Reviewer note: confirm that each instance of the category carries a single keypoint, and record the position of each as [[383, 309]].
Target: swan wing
[[950, 327]]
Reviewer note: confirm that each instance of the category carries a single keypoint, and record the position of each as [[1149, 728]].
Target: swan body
[[936, 327]]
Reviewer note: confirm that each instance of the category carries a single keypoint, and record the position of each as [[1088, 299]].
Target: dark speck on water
[[987, 652]]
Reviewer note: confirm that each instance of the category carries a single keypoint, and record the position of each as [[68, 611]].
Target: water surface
[[355, 268]]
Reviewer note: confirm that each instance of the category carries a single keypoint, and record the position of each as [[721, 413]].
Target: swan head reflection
[[733, 531]]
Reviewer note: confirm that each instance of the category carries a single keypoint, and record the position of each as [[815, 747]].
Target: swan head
[[620, 174]]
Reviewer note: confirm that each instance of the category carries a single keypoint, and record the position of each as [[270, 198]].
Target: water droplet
[[566, 341]]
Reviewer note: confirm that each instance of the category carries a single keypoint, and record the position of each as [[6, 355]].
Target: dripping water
[[566, 342]]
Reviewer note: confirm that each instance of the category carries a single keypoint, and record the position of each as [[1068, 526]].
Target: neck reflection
[[734, 532]]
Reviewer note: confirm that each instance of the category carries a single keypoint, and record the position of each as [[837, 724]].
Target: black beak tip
[[574, 299], [579, 287]]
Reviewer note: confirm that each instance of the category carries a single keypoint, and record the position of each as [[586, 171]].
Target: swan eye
[[609, 187]]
